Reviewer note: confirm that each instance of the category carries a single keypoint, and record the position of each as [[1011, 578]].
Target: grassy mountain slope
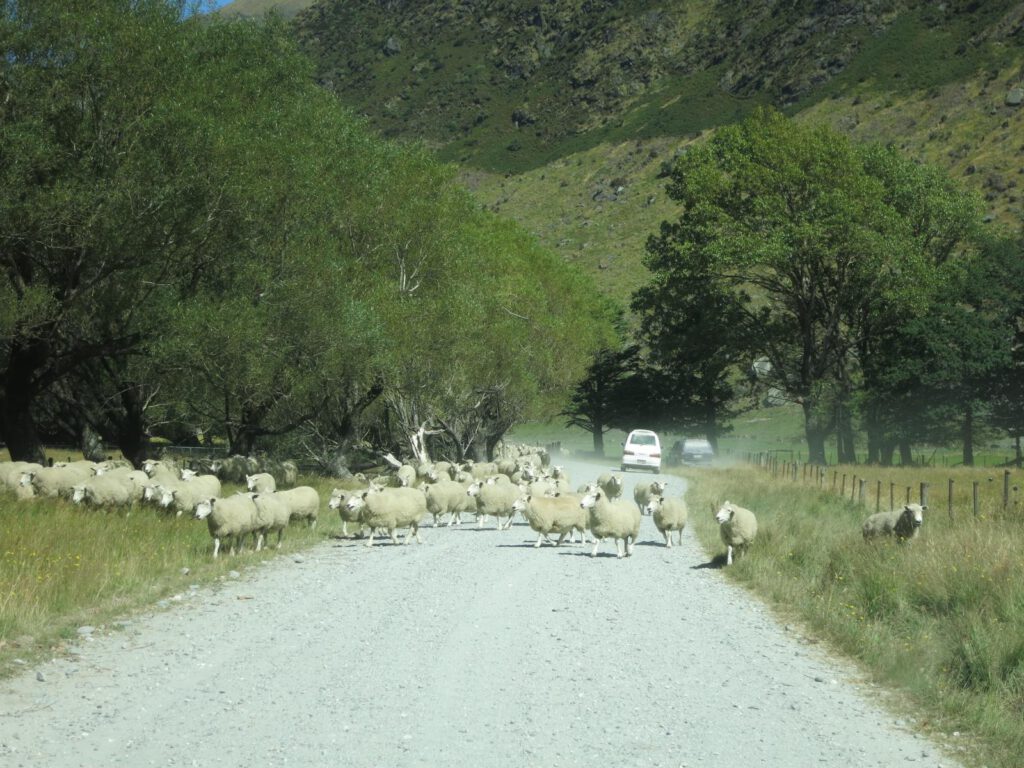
[[562, 114], [287, 8]]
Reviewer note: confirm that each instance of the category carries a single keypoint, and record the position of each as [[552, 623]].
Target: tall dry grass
[[941, 618], [62, 565]]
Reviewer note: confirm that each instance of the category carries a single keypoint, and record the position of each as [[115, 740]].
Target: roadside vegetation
[[941, 618]]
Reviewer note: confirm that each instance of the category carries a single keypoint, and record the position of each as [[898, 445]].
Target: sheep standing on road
[[494, 499], [644, 492], [738, 528], [390, 509], [552, 514], [904, 523], [611, 518], [339, 501], [668, 515]]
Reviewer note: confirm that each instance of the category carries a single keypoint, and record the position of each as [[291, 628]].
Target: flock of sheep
[[522, 483]]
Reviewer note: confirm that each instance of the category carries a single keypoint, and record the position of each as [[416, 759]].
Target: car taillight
[[656, 455], [628, 451]]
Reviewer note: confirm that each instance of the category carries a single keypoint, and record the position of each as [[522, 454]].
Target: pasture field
[[940, 618], [63, 566]]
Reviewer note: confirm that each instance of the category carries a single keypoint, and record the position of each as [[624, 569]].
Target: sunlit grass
[[941, 618], [62, 566]]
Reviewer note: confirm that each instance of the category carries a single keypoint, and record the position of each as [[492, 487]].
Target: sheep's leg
[[369, 542], [597, 543], [540, 539], [620, 548], [667, 535], [394, 535], [728, 556], [259, 542], [630, 544], [561, 538], [216, 546], [416, 532], [280, 535], [680, 537]]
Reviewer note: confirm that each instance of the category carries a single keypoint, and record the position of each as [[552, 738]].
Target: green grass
[[62, 566], [940, 619]]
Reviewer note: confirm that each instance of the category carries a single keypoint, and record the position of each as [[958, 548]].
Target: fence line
[[1006, 498]]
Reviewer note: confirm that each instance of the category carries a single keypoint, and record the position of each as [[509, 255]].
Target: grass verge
[[940, 619], [62, 567]]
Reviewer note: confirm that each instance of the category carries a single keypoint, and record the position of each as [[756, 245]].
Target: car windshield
[[697, 446], [643, 440]]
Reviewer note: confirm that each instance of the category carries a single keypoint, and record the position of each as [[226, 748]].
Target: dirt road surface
[[472, 649]]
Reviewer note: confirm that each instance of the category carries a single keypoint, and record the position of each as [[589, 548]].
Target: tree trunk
[[968, 436], [844, 437], [1016, 445], [598, 435], [17, 426], [906, 452], [875, 439], [132, 438], [887, 449], [815, 434]]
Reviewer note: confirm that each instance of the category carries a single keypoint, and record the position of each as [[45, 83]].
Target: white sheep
[[103, 491], [610, 484], [552, 514], [668, 515], [261, 482], [904, 523], [303, 503], [390, 509], [272, 515], [163, 471], [11, 472], [644, 492], [339, 501], [406, 475], [494, 499], [56, 481], [289, 473], [232, 518], [738, 529], [447, 497], [611, 518]]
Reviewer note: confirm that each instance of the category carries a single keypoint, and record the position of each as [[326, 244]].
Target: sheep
[[498, 479], [737, 527], [551, 514], [182, 497], [904, 524], [390, 509], [303, 503], [262, 482], [507, 467], [494, 499], [289, 473], [483, 470], [406, 475], [338, 501], [102, 491], [668, 515], [644, 492], [231, 518], [610, 484], [134, 480], [607, 517], [11, 472], [113, 465], [162, 471], [447, 497], [272, 514], [55, 481]]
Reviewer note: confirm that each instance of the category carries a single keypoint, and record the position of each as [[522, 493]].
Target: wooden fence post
[[892, 495], [949, 502], [853, 488], [860, 491], [1006, 488], [842, 488], [878, 497], [975, 494], [908, 495], [924, 494]]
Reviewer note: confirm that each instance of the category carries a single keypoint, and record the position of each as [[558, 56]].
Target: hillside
[[561, 115], [287, 8]]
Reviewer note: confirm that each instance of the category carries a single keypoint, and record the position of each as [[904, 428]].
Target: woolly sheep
[[507, 467], [498, 480], [644, 492], [11, 472], [552, 514], [390, 509], [232, 518], [611, 518], [272, 515], [406, 475], [904, 523], [610, 484], [483, 470], [102, 491], [338, 501], [668, 515], [447, 497], [262, 482], [289, 473], [494, 499], [737, 527], [55, 481], [303, 503], [134, 480], [162, 471]]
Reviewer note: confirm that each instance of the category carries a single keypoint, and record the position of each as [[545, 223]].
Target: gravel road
[[472, 649]]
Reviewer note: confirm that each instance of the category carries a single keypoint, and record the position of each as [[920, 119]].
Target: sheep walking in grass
[[261, 482], [611, 518], [668, 515], [904, 523], [102, 491], [272, 515], [737, 527], [303, 503], [230, 519]]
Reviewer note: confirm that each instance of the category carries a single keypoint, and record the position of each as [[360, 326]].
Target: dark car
[[696, 451]]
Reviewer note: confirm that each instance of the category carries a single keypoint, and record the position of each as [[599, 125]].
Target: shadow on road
[[718, 561]]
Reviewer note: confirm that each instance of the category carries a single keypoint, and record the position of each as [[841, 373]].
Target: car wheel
[[623, 468]]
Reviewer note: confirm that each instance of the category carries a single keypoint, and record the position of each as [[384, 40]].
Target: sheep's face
[[150, 492], [916, 514], [26, 479], [659, 486], [250, 482], [725, 514], [100, 469], [653, 505], [356, 501], [590, 500], [166, 497], [148, 466], [77, 494], [203, 509], [521, 504], [188, 474], [338, 499], [474, 489]]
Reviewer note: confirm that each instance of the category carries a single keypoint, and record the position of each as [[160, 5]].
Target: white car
[[642, 450]]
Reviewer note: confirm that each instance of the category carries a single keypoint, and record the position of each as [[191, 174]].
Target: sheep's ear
[[924, 507]]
